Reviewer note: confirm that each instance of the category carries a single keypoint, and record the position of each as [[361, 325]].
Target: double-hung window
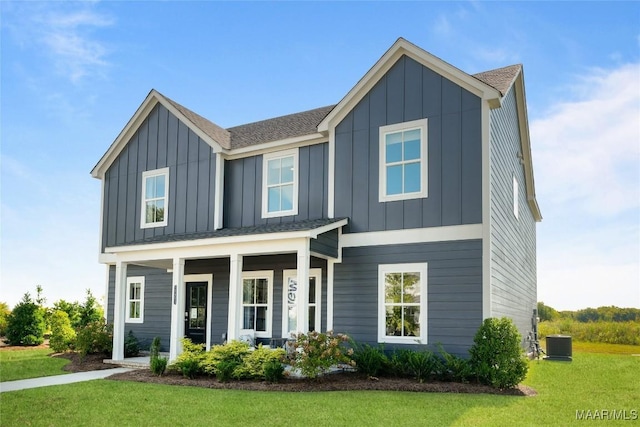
[[135, 300], [155, 198], [402, 303], [280, 184], [257, 300], [403, 161]]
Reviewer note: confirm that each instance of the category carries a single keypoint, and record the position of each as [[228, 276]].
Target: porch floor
[[140, 362]]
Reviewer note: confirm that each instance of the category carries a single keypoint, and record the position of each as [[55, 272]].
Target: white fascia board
[[263, 247], [153, 98], [283, 144], [384, 64], [318, 231], [413, 235], [525, 147], [486, 212]]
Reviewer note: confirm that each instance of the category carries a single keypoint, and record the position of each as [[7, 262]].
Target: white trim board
[[413, 235]]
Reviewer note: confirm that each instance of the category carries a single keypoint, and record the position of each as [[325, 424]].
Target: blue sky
[[72, 74]]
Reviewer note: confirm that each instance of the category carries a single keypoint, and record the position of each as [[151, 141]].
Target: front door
[[195, 313]]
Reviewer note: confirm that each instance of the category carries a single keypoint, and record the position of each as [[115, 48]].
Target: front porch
[[261, 286]]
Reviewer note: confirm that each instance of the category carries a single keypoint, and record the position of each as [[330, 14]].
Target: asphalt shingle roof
[[243, 231], [500, 78], [306, 122]]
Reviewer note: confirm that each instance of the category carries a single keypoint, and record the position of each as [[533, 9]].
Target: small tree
[[4, 318], [25, 325], [496, 356], [72, 309], [90, 311], [62, 334]]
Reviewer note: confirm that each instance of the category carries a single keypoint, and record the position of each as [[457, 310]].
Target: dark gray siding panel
[[157, 305], [513, 249], [407, 92], [160, 141], [326, 244], [243, 189], [454, 290]]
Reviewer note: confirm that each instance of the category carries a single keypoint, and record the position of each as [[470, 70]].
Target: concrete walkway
[[59, 379]]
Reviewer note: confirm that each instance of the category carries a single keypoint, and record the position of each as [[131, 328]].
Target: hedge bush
[[63, 337], [94, 338], [496, 356]]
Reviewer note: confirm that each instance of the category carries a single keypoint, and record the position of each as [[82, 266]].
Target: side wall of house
[[408, 92], [157, 305], [513, 248], [243, 189], [161, 141], [454, 291]]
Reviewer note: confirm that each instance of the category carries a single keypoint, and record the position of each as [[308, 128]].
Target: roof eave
[[153, 98]]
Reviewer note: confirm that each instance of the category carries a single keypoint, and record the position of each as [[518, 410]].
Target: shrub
[[131, 345], [422, 364], [253, 364], [233, 351], [273, 371], [190, 361], [157, 364], [72, 309], [398, 364], [225, 370], [95, 337], [63, 336], [90, 311], [25, 324], [4, 316], [316, 352], [496, 356], [454, 368], [369, 360]]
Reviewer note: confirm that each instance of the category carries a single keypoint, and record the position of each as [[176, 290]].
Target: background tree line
[[600, 314]]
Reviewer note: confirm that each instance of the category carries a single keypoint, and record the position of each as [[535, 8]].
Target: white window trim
[[402, 268], [131, 281], [143, 208], [515, 196], [421, 124], [266, 274], [293, 274], [296, 177]]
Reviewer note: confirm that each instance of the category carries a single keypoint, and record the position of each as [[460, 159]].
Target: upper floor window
[[403, 161], [155, 197], [135, 300], [280, 184]]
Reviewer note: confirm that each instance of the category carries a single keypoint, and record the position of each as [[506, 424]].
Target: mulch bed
[[345, 381], [333, 382]]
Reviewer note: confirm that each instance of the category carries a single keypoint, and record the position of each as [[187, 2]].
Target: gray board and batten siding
[[410, 91], [243, 189], [513, 248], [454, 291], [161, 141], [158, 295]]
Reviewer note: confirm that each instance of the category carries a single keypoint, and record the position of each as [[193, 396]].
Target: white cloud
[[587, 164], [587, 151], [65, 34]]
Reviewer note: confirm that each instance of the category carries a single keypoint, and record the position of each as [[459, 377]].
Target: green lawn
[[29, 363], [593, 381]]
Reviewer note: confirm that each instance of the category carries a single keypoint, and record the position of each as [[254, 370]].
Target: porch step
[[131, 362]]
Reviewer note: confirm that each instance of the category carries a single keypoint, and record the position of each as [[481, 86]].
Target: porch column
[[177, 309], [235, 279], [119, 311], [302, 303], [330, 264]]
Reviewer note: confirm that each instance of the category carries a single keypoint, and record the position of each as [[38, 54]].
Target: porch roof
[[321, 225]]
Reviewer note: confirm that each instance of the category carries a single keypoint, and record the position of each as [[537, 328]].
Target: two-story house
[[405, 214]]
